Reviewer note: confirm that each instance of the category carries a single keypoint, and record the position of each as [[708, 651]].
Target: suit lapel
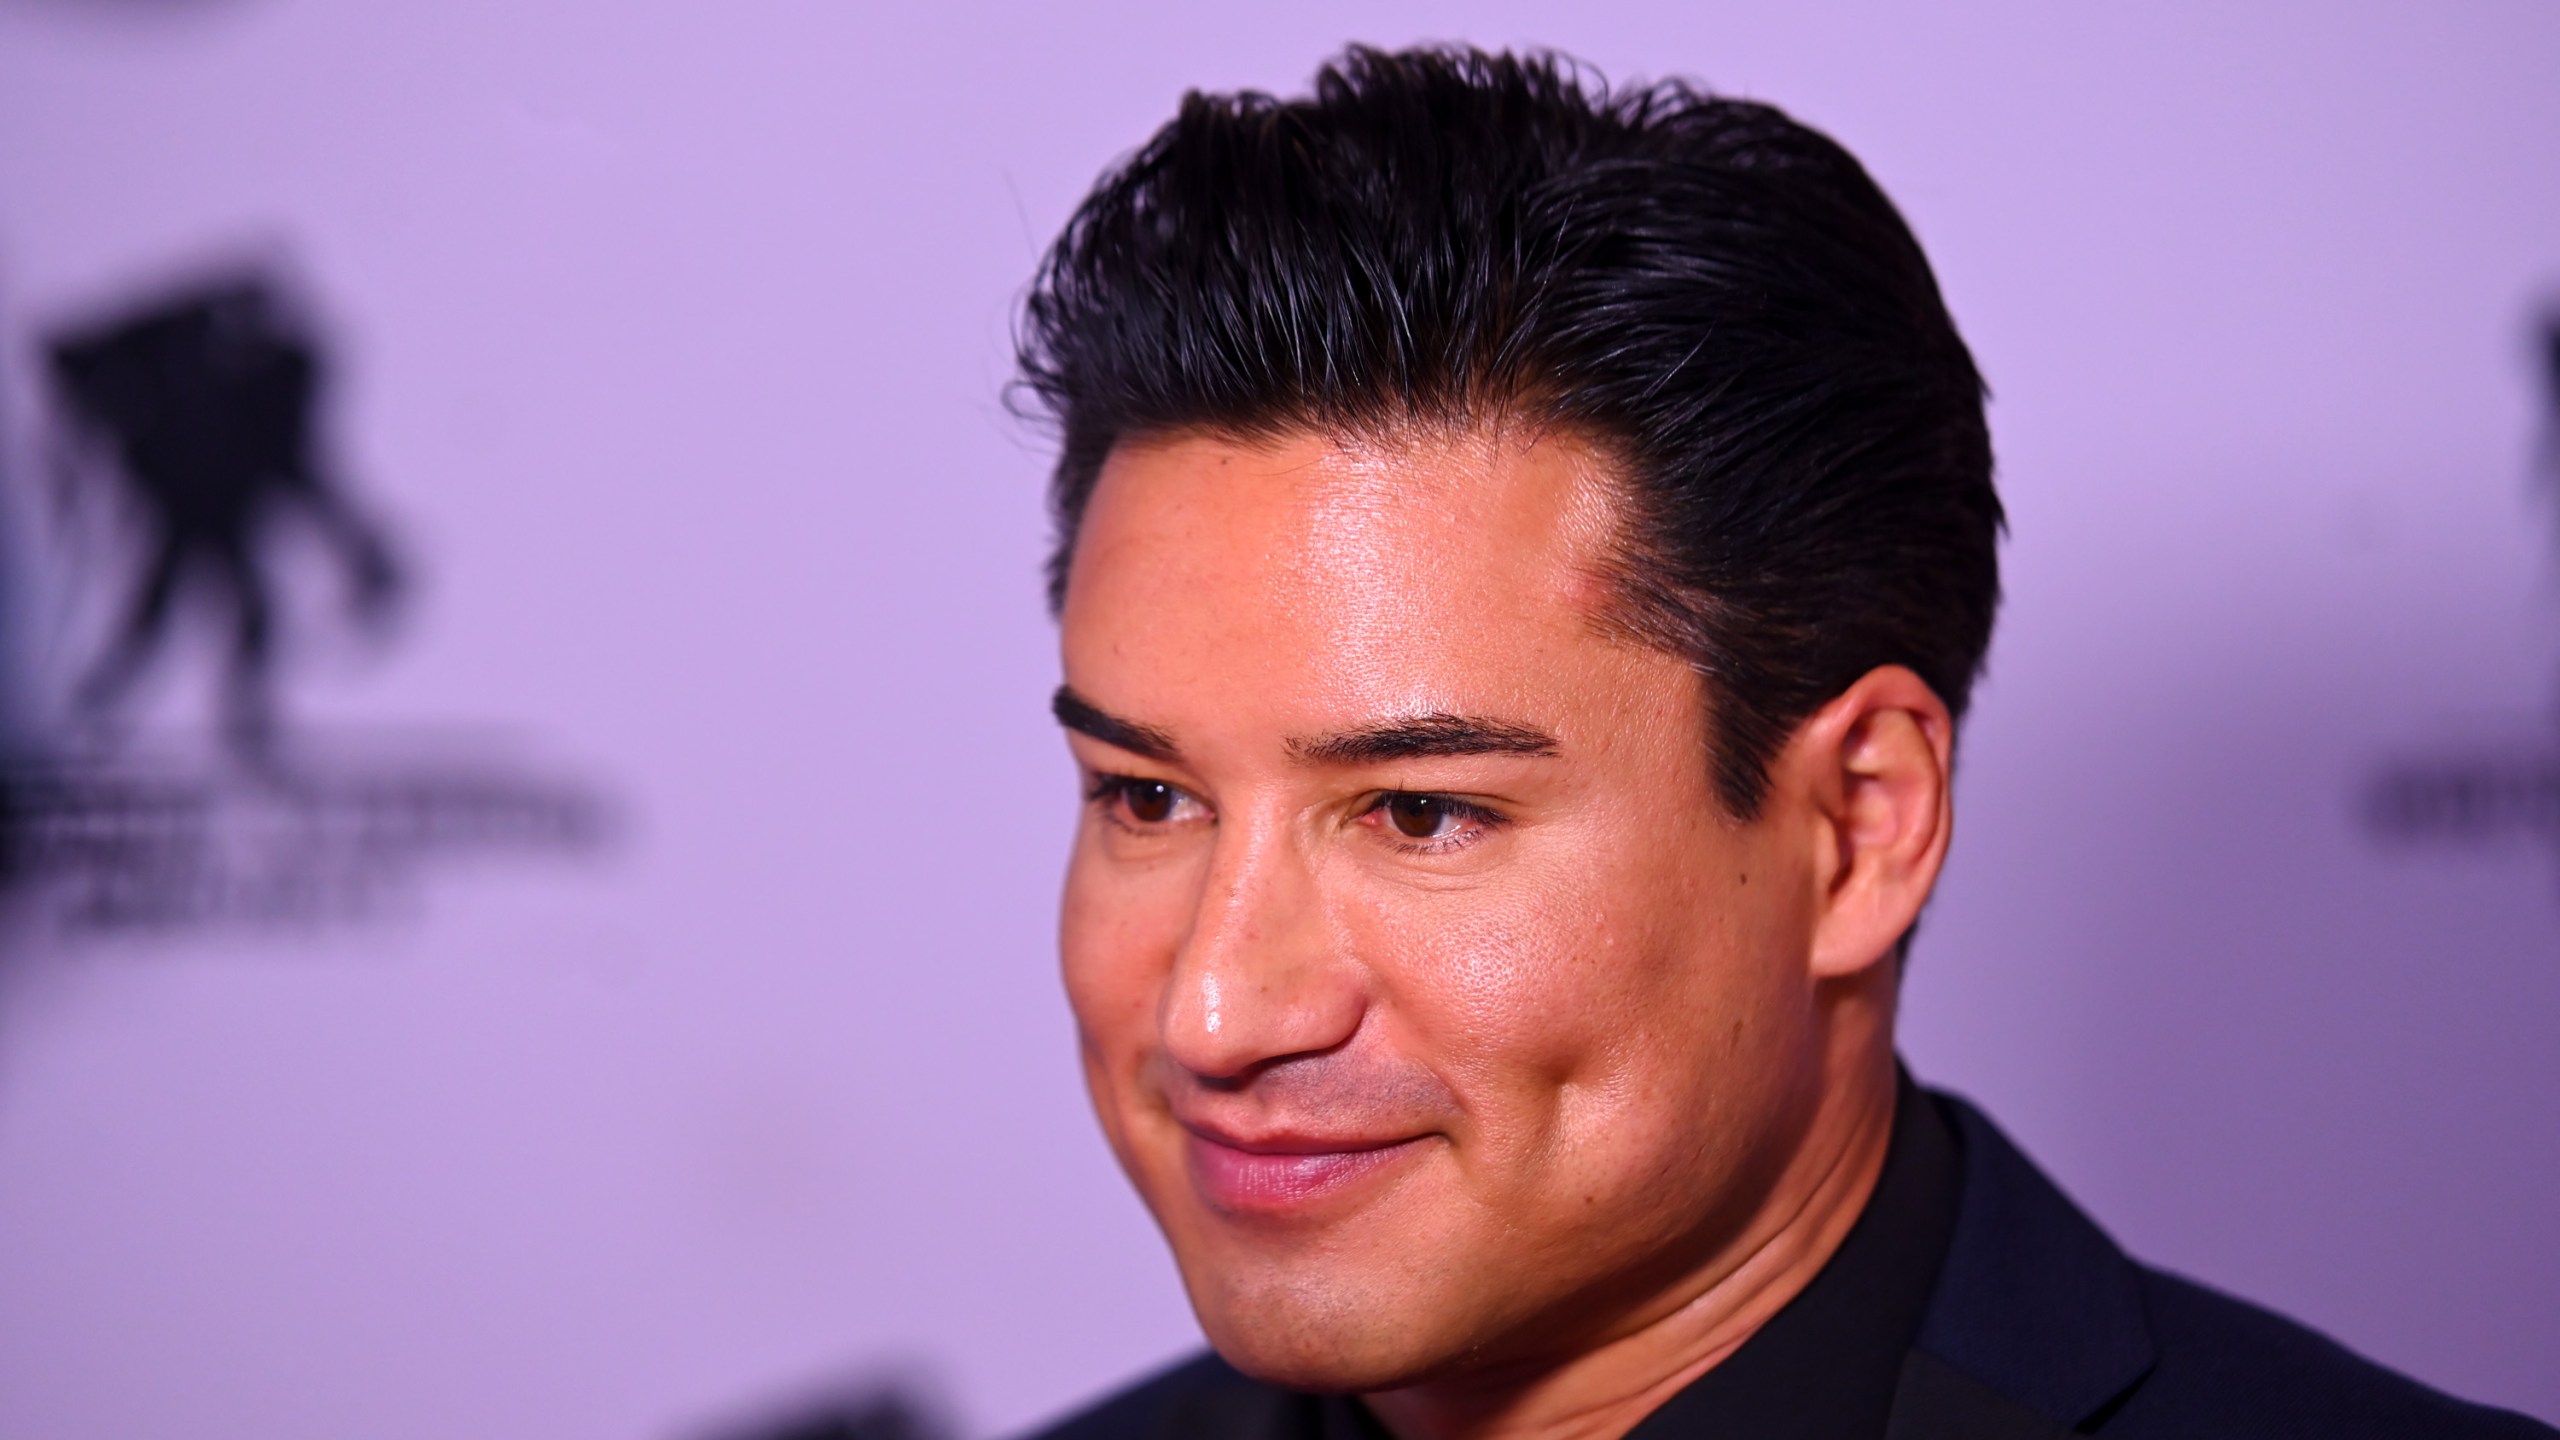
[[1936, 1401], [2036, 1318]]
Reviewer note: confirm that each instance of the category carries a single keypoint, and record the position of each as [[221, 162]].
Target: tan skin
[[1471, 1057]]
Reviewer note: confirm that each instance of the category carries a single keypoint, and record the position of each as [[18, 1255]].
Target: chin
[[1314, 1362], [1319, 1334]]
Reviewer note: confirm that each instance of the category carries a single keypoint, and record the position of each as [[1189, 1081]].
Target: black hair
[[1717, 297]]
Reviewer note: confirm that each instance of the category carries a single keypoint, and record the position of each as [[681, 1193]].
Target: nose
[[1259, 978]]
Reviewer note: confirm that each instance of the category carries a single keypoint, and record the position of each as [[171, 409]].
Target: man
[[1523, 553]]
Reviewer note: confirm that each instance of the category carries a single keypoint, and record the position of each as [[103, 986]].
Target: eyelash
[[1106, 789], [1112, 792], [1478, 820]]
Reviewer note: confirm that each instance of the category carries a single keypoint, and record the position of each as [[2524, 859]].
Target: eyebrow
[[1418, 737], [1086, 718], [1423, 736]]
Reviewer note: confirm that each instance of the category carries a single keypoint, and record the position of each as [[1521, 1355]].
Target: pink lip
[[1280, 1174]]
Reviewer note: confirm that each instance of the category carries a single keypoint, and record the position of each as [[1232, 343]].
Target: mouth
[[1283, 1175]]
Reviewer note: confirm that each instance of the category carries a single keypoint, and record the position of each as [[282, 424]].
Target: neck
[[1707, 1313]]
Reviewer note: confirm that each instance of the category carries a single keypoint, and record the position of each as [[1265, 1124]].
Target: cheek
[[1119, 928], [1511, 990], [1590, 998]]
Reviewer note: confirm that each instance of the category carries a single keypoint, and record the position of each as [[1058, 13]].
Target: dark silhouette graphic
[[2486, 796], [2550, 456], [202, 411], [198, 417], [892, 1413]]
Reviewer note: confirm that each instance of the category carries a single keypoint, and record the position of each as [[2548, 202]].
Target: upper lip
[[1288, 1141]]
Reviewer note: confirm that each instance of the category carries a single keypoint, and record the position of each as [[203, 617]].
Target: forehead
[[1342, 578]]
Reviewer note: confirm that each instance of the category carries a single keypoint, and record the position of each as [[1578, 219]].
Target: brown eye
[[1149, 801], [1418, 817]]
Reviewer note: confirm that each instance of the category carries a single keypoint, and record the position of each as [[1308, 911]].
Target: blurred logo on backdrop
[[193, 536], [2494, 794], [878, 1410]]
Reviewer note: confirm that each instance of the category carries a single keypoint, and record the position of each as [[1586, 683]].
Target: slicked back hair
[[1716, 297]]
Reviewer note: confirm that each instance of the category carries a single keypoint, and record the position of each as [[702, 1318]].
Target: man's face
[[1435, 1007]]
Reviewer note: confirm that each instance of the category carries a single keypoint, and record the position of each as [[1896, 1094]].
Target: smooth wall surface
[[673, 341]]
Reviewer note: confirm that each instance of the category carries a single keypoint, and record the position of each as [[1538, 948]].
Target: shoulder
[[2227, 1367], [2038, 1307], [1203, 1395]]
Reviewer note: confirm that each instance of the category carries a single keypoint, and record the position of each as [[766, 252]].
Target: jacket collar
[[2033, 1302]]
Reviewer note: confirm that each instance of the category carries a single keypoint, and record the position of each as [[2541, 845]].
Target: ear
[[1875, 768]]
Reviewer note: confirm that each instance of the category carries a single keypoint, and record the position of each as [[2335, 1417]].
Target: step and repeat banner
[[529, 817]]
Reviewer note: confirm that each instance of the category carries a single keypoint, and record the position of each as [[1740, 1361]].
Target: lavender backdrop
[[674, 338]]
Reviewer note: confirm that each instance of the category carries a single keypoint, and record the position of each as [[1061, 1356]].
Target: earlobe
[[1879, 762]]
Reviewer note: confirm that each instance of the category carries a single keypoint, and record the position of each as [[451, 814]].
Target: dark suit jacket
[[2038, 1327]]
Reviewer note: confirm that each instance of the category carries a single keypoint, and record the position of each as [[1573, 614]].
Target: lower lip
[[1245, 1181]]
